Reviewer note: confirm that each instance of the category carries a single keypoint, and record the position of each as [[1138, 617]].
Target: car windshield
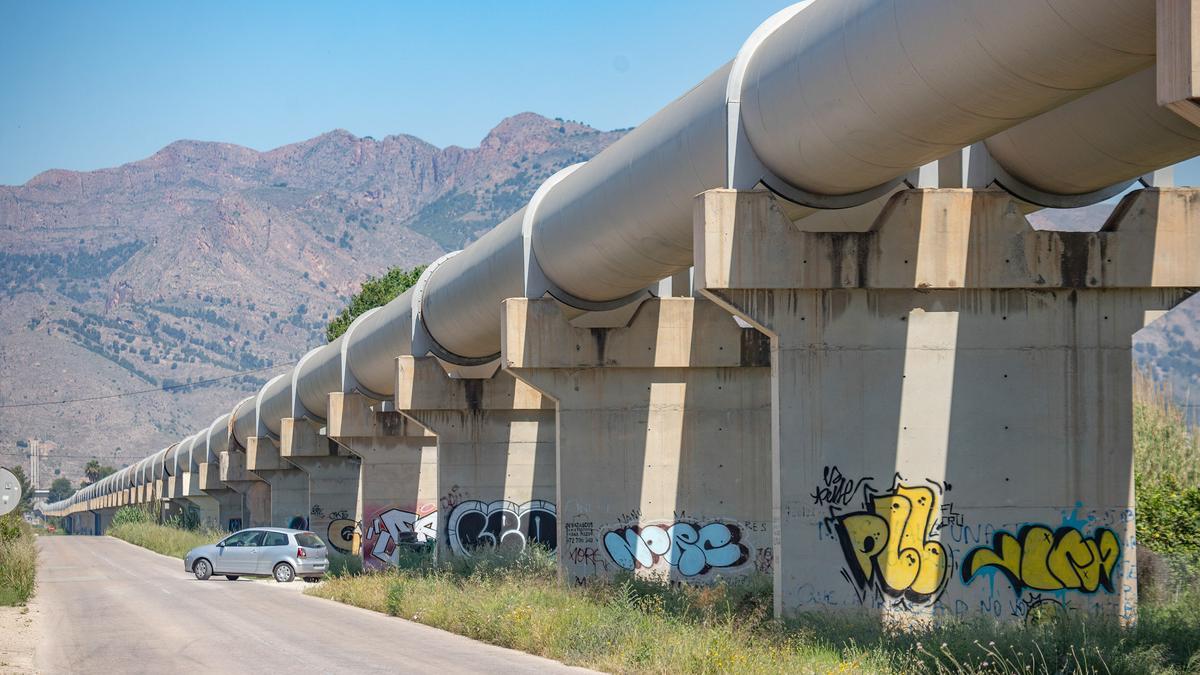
[[309, 540]]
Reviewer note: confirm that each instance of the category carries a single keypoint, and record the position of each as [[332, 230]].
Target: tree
[[60, 489], [26, 489], [91, 472], [376, 292]]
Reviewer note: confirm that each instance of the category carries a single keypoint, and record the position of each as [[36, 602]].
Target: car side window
[[237, 540], [276, 539], [256, 539]]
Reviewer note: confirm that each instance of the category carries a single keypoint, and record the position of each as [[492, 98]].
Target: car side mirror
[[220, 544]]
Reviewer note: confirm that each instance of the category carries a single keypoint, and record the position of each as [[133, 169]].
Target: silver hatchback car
[[261, 551]]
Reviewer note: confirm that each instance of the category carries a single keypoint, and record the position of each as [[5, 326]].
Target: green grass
[[18, 561], [136, 526], [636, 625], [1165, 449]]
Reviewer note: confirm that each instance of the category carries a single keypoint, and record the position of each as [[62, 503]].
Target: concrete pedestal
[[289, 485], [952, 396], [332, 477], [230, 511], [663, 438], [495, 456], [256, 494], [397, 496]]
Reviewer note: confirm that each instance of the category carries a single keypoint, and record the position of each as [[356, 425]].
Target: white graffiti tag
[[690, 549], [394, 527], [473, 524]]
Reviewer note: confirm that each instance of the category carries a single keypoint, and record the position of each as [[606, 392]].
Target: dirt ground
[[18, 636]]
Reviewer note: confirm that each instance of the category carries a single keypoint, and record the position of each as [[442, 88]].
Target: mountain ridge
[[209, 258]]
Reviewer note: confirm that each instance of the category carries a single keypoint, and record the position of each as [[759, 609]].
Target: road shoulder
[[18, 637]]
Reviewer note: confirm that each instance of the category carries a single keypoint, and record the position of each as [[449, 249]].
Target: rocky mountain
[[211, 259]]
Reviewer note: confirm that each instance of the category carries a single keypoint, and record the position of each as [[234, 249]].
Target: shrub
[[18, 560], [127, 515], [164, 539]]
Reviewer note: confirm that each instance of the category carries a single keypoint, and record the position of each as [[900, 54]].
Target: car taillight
[[300, 553]]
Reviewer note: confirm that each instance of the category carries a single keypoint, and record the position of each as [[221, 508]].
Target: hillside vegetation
[[211, 260]]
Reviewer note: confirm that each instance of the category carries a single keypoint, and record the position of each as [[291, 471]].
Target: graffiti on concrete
[[890, 547], [836, 488], [473, 524], [1042, 559], [690, 548], [392, 528], [318, 512], [340, 534]]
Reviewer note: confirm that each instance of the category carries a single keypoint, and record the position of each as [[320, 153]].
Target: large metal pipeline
[[217, 439], [840, 99], [274, 403], [244, 421], [1109, 136], [317, 374]]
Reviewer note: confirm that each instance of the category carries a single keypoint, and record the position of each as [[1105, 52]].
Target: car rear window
[[276, 539], [309, 540]]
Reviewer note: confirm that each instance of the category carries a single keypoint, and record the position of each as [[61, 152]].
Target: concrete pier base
[[495, 456], [396, 504], [289, 485], [230, 511], [663, 438], [256, 493], [208, 510], [952, 396], [332, 477]]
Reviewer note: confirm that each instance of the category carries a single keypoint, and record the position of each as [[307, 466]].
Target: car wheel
[[231, 577], [284, 573], [311, 580], [202, 569]]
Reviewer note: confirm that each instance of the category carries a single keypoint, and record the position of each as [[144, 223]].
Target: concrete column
[[256, 493], [289, 485], [104, 518], [663, 438], [230, 514], [952, 396], [495, 456], [397, 496], [332, 477]]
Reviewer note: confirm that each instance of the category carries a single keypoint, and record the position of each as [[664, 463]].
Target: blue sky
[[91, 85]]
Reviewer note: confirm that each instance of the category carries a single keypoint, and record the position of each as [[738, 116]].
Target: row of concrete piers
[[928, 419]]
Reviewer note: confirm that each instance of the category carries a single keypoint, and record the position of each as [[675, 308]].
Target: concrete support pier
[[332, 478], [256, 493], [397, 496], [230, 512], [952, 396], [663, 438], [495, 456], [289, 504]]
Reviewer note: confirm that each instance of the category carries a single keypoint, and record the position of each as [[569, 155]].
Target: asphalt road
[[106, 606]]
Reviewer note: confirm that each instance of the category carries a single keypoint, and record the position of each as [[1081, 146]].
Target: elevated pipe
[[217, 439]]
